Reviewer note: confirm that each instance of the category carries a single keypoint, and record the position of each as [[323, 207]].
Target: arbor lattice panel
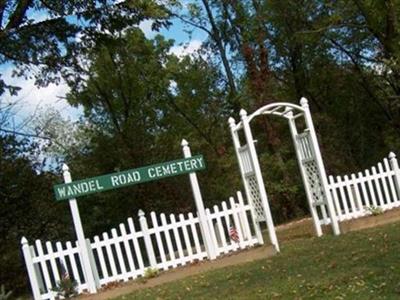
[[255, 198]]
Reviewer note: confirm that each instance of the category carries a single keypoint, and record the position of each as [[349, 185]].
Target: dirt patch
[[298, 229], [387, 217], [119, 289]]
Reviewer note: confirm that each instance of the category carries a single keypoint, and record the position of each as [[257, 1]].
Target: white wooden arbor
[[308, 156]]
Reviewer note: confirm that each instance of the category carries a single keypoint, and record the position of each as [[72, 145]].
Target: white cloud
[[31, 98], [145, 26], [186, 49]]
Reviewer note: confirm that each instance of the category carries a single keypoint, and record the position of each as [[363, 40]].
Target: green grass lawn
[[357, 265]]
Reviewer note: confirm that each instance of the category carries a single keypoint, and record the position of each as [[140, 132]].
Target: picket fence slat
[[370, 187], [98, 248], [171, 251], [390, 180], [177, 238], [343, 197], [335, 198], [228, 225], [188, 245], [236, 222], [221, 233], [375, 180], [212, 227], [53, 263], [365, 196], [127, 248], [135, 242], [120, 258], [194, 234], [245, 220], [71, 256], [60, 255], [43, 265], [381, 181], [160, 244], [348, 192], [110, 256]]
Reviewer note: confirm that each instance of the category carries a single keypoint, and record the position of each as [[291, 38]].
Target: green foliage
[[357, 265], [375, 211], [4, 295], [151, 273], [27, 207], [66, 288]]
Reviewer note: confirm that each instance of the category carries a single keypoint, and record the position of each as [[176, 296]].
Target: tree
[[27, 208], [335, 54], [42, 38], [141, 101]]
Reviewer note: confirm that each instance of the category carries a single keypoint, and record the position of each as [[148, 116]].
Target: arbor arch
[[309, 159]]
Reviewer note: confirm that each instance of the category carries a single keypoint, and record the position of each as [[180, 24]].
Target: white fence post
[[147, 239], [31, 270], [204, 227], [395, 167], [83, 249]]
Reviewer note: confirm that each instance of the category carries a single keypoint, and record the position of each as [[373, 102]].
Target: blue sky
[[31, 99]]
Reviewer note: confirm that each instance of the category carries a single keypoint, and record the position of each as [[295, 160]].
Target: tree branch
[[2, 8], [25, 134], [363, 78], [18, 15], [205, 29]]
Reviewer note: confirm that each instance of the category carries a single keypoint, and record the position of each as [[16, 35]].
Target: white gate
[[309, 158]]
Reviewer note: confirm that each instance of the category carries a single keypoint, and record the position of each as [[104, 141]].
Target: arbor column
[[259, 179], [314, 214], [320, 166], [236, 144]]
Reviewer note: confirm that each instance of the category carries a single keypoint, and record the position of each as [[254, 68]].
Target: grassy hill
[[357, 265]]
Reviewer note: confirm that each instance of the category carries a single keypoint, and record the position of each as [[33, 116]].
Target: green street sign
[[129, 177]]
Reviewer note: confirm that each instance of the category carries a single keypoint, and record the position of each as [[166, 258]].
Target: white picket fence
[[161, 242], [355, 196]]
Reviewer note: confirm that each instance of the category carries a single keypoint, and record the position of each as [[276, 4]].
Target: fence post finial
[[184, 143], [392, 155], [231, 122], [304, 102], [141, 213], [24, 241], [243, 113], [65, 167]]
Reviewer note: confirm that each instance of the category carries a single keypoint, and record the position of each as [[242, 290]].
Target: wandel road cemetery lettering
[[121, 179]]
